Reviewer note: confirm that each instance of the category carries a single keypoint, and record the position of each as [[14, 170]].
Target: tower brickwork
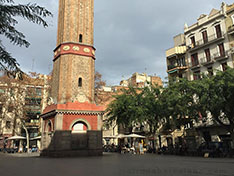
[[72, 123], [74, 56]]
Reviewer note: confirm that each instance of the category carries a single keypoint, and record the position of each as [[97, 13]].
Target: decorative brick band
[[74, 48]]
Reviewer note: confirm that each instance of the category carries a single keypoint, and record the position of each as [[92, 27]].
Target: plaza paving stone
[[115, 165]]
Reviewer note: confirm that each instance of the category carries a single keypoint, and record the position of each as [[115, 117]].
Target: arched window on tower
[[80, 38], [80, 82]]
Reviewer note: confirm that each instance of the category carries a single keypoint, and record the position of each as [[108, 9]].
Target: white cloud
[[130, 35]]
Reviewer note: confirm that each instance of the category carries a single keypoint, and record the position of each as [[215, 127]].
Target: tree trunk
[[27, 138]]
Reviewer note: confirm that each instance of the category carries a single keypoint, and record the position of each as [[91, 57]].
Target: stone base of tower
[[68, 144], [71, 130]]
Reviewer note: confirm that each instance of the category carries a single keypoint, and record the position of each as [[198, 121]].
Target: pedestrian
[[141, 148]]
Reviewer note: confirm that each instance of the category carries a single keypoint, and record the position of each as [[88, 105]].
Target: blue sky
[[130, 35]]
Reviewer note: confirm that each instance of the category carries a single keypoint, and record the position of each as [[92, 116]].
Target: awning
[[134, 136], [120, 136], [129, 136], [35, 138], [172, 71], [109, 137], [16, 137]]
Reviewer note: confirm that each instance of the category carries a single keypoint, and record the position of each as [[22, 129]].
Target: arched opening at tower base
[[79, 127], [72, 129]]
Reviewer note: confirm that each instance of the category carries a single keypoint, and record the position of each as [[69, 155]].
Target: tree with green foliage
[[125, 110], [152, 108], [137, 106], [216, 95], [211, 96], [8, 13], [178, 104]]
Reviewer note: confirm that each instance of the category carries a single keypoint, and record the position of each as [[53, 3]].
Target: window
[[10, 108], [12, 92], [38, 101], [80, 38], [8, 124], [210, 71], [80, 82], [221, 49], [204, 35], [207, 52], [0, 108], [2, 91], [183, 61], [194, 59], [196, 75], [193, 41], [38, 91], [218, 31], [224, 66]]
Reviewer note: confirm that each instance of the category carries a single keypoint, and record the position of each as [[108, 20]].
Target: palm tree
[[8, 11]]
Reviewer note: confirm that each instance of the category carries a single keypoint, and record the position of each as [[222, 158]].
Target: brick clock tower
[[72, 124]]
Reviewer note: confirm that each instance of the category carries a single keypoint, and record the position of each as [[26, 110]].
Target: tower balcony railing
[[202, 43]]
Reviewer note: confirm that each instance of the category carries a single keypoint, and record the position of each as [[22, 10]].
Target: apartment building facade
[[208, 47], [177, 64], [208, 44], [21, 103], [141, 80], [230, 27], [205, 46]]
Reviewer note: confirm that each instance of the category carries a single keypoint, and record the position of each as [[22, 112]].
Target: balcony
[[194, 65], [175, 68], [202, 43], [206, 61], [175, 51], [221, 56], [231, 30]]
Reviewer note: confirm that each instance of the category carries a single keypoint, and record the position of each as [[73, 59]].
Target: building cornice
[[197, 25], [70, 112]]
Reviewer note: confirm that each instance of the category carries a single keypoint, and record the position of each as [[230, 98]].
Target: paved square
[[116, 165]]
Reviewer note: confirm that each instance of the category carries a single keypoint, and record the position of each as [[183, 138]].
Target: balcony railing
[[220, 56], [231, 30], [173, 67], [207, 61], [203, 42], [195, 63]]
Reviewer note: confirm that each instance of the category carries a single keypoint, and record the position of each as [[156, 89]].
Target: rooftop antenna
[[33, 61], [49, 68]]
